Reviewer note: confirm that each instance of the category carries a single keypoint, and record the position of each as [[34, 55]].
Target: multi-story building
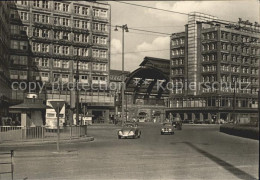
[[5, 85], [215, 70], [51, 39]]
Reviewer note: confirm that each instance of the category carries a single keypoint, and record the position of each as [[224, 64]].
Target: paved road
[[196, 152]]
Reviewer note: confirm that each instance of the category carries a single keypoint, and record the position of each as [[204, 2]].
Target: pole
[[258, 108], [77, 91], [123, 77], [58, 129]]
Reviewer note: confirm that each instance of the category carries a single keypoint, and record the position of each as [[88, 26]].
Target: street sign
[[57, 105]]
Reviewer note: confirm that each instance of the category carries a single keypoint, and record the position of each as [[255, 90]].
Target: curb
[[28, 143]]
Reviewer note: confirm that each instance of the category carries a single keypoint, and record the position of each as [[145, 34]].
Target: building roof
[[117, 72]]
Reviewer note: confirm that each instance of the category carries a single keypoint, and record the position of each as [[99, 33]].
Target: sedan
[[167, 128], [130, 130]]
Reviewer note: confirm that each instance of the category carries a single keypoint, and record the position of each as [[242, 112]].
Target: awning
[[25, 106]]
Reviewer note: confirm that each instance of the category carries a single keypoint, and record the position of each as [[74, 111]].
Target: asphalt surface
[[195, 152]]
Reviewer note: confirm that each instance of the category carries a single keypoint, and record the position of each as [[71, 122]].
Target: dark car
[[177, 123], [129, 130]]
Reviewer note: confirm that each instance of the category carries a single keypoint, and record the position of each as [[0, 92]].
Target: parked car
[[167, 128], [198, 121], [129, 130], [187, 121]]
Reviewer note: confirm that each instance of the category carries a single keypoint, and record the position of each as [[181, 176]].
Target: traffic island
[[242, 130]]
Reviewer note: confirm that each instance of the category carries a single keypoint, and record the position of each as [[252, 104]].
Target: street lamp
[[77, 90], [124, 29]]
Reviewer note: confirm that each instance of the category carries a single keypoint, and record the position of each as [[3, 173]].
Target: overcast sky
[[157, 45]]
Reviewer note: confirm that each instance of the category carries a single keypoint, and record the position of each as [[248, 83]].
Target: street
[[196, 152]]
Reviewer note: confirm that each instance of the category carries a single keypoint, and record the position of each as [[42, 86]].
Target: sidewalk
[[46, 141]]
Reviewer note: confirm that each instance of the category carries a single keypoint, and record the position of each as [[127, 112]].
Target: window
[[84, 24], [65, 7], [96, 12], [23, 75], [36, 17], [76, 9], [36, 32], [23, 60], [65, 64], [84, 10], [57, 20], [45, 48], [84, 65], [56, 49], [45, 62], [95, 53], [37, 61], [103, 54], [15, 29], [84, 38], [45, 33], [76, 23], [56, 34], [76, 37], [103, 27], [36, 3], [13, 74], [103, 13], [65, 21], [84, 77], [95, 39], [45, 19], [103, 67], [65, 50], [56, 63], [65, 77], [24, 16], [23, 2], [85, 52], [65, 35], [44, 76], [56, 77], [95, 26], [23, 45], [95, 78], [45, 4], [103, 78], [57, 6], [95, 66]]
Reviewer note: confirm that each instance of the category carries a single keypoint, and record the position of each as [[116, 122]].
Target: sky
[[140, 44]]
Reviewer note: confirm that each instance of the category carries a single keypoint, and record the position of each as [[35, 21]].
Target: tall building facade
[[5, 84], [215, 70], [50, 40]]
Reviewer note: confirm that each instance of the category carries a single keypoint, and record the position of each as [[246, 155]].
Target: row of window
[[15, 74], [178, 41], [177, 61], [63, 21], [177, 51], [178, 71], [65, 7], [19, 60], [57, 63], [65, 78], [209, 68], [209, 46], [210, 35]]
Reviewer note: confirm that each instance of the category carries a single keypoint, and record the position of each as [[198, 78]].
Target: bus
[[51, 115]]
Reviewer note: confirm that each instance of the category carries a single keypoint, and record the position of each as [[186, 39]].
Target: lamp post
[[77, 90], [124, 29]]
